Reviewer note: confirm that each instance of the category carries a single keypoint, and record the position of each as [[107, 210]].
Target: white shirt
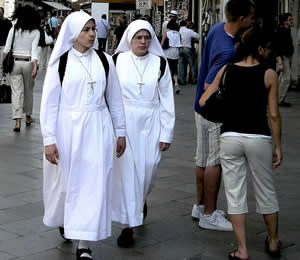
[[102, 28], [186, 37], [25, 43], [174, 42]]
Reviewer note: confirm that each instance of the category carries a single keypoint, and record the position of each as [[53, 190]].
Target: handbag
[[5, 91], [215, 106], [48, 39], [9, 60]]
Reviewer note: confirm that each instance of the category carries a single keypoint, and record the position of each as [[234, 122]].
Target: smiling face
[[86, 37], [140, 42]]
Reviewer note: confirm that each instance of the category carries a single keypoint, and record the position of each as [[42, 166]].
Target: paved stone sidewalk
[[169, 231]]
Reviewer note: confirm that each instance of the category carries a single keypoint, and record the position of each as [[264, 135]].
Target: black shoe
[[274, 254], [284, 104], [62, 234], [81, 251], [125, 240], [145, 211]]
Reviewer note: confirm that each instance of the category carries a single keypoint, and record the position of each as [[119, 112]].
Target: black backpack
[[163, 64], [63, 62]]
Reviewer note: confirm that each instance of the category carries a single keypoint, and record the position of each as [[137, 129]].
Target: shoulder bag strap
[[13, 39]]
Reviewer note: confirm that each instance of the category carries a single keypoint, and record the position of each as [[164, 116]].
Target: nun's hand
[[121, 146], [164, 146], [51, 153]]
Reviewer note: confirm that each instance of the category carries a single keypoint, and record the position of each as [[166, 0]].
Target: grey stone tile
[[6, 217], [4, 235], [30, 196], [51, 254], [26, 227], [29, 210], [5, 256], [7, 203]]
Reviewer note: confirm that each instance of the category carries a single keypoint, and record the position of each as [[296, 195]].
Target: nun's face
[[140, 43], [86, 37]]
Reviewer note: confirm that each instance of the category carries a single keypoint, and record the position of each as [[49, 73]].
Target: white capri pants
[[237, 154], [22, 84]]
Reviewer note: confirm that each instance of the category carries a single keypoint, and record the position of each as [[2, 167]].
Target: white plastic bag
[[48, 39]]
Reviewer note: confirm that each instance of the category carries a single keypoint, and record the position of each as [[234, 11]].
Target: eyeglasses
[[140, 37]]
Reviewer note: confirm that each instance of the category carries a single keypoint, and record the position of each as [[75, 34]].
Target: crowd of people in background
[[142, 105]]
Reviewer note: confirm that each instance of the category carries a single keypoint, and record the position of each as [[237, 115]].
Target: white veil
[[132, 29], [69, 32]]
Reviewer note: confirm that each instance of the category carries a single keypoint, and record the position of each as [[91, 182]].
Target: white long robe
[[150, 119], [77, 192]]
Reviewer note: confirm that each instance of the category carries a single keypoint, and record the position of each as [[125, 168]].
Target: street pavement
[[169, 231]]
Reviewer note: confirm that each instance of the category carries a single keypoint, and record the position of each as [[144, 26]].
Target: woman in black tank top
[[251, 103]]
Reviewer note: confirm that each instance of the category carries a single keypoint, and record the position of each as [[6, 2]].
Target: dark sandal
[[232, 256], [62, 234], [82, 251], [28, 120], [18, 125], [274, 254]]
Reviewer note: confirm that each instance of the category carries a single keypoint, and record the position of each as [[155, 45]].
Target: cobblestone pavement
[[169, 231]]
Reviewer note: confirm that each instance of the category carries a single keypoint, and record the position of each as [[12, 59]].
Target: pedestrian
[[5, 26], [60, 21], [246, 140], [150, 118], [186, 55], [43, 47], [78, 134], [102, 32], [218, 50], [25, 38], [52, 22], [284, 59], [173, 15], [118, 33], [172, 37]]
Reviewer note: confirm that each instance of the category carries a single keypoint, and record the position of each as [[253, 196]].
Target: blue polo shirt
[[218, 51]]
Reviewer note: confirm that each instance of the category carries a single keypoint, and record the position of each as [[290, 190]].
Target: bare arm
[[164, 35], [271, 82], [210, 89]]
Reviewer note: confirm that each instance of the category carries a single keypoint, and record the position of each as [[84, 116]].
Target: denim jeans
[[186, 57]]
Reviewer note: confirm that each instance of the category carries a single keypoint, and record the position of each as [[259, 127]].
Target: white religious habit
[[75, 117], [150, 119]]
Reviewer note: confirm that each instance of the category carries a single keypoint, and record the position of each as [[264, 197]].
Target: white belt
[[147, 104], [86, 108]]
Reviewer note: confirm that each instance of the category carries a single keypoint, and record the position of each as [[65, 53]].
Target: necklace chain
[[91, 81], [141, 75]]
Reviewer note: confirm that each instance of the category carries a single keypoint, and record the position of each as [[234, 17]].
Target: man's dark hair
[[103, 16], [2, 9], [237, 8], [284, 17], [182, 23], [172, 25]]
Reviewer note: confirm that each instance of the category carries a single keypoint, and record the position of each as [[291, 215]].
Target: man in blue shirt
[[218, 51]]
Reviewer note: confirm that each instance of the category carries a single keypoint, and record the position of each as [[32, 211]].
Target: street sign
[[143, 4]]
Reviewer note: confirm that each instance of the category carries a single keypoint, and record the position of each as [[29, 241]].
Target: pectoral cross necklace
[[140, 82], [91, 82]]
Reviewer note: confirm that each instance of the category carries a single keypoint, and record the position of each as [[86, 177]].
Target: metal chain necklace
[[140, 82], [91, 82]]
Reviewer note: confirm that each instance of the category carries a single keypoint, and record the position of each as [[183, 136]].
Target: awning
[[57, 6]]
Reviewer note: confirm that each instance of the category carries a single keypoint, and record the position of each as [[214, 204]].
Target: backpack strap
[[63, 63], [163, 64], [115, 57], [62, 66], [104, 62]]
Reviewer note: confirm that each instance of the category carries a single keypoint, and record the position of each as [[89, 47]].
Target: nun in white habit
[[150, 118], [78, 134]]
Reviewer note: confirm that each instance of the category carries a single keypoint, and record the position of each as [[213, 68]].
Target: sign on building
[[143, 4]]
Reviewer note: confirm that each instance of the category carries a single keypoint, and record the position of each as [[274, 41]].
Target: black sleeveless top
[[246, 101]]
